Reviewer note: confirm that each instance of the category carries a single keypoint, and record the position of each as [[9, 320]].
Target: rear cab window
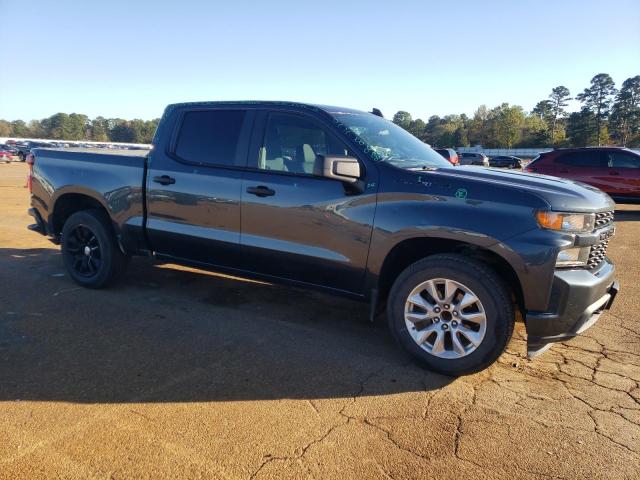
[[211, 137]]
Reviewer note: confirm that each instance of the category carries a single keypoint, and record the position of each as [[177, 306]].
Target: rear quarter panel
[[113, 180]]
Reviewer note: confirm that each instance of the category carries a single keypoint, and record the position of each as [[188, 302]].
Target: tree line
[[607, 116], [75, 126]]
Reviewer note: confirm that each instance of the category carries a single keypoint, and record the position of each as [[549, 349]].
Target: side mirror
[[345, 169]]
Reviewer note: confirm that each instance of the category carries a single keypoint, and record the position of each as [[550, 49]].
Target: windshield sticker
[[375, 156]]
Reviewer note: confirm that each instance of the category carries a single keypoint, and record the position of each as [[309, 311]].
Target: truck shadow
[[169, 334]]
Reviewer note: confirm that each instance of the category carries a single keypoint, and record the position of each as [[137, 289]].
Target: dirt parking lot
[[178, 373]]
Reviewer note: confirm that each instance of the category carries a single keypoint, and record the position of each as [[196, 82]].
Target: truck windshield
[[387, 142]]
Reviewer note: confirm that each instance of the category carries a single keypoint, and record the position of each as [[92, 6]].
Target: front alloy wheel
[[445, 318], [452, 313]]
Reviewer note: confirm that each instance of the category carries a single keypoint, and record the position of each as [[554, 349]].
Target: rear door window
[[581, 159], [622, 160], [211, 137]]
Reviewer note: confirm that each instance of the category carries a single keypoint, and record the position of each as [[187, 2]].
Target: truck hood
[[559, 193]]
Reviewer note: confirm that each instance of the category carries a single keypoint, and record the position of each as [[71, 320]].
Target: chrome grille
[[604, 218], [597, 254]]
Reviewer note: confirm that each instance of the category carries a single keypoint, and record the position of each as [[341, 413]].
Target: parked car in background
[[24, 148], [468, 158], [450, 154], [506, 161], [5, 155], [613, 170], [9, 148]]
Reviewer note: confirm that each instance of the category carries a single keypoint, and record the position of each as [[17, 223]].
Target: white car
[[473, 159]]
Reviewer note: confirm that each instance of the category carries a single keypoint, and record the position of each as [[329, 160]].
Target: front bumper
[[578, 298]]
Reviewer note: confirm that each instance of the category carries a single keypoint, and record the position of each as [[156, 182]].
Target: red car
[[448, 153], [5, 155], [615, 171]]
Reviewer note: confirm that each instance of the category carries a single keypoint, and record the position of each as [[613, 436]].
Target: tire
[[474, 349], [90, 251]]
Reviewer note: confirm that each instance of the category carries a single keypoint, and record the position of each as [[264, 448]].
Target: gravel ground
[[180, 373]]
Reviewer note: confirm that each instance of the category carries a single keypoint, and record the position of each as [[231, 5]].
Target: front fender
[[508, 231]]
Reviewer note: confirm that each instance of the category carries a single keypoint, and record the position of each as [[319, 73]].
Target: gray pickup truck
[[347, 202]]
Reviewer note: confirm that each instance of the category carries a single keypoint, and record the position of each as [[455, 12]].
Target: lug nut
[[437, 309], [445, 326], [454, 324], [446, 306], [436, 320], [455, 313]]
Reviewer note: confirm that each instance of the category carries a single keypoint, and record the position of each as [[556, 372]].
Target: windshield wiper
[[423, 167]]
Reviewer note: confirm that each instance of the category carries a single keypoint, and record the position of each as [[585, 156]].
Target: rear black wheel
[[90, 251], [83, 245]]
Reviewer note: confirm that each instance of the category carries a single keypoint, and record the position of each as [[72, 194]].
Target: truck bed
[[100, 151], [113, 179]]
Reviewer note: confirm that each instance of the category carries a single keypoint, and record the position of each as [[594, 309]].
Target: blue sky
[[130, 58]]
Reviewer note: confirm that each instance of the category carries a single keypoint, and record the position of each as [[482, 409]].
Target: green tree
[[505, 124], [535, 132], [449, 126], [122, 131], [99, 129], [416, 128], [460, 138], [35, 129], [543, 110], [77, 127], [625, 113], [432, 130], [19, 129], [478, 133], [149, 130], [5, 129], [402, 119], [560, 97], [56, 126], [597, 98], [580, 131]]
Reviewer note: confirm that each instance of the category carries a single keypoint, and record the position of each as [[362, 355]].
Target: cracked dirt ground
[[177, 373]]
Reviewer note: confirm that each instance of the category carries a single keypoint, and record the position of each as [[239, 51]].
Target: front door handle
[[261, 191], [164, 180], [614, 173]]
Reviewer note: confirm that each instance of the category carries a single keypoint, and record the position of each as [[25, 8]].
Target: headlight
[[566, 222], [573, 257]]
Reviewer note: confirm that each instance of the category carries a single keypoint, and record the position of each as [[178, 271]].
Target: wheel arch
[[410, 250], [68, 202]]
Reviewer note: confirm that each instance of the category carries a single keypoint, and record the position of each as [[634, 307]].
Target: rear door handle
[[614, 173], [261, 191], [164, 180]]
